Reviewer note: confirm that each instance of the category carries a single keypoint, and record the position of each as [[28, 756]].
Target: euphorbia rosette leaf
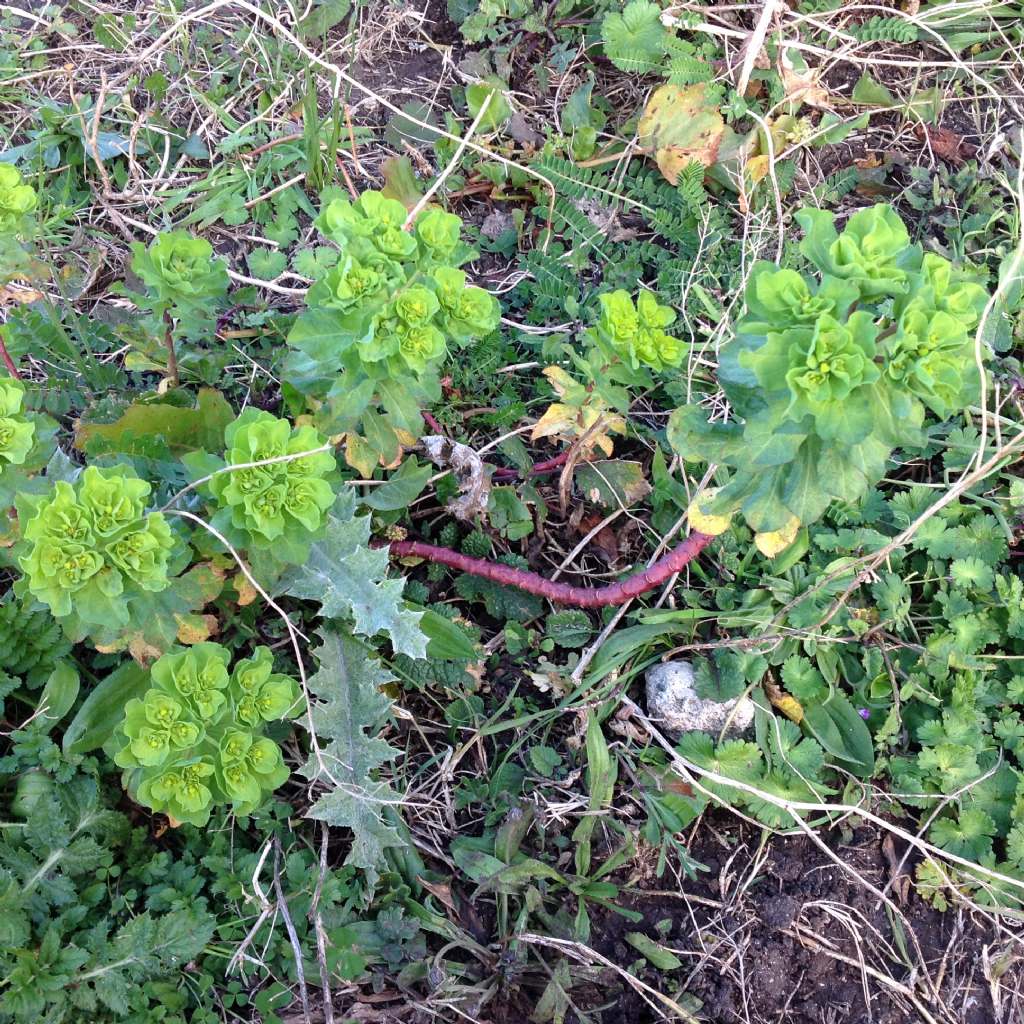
[[439, 232], [195, 739], [636, 332], [16, 433], [279, 504], [932, 357], [180, 269], [873, 252], [17, 200], [826, 378], [371, 218], [91, 547]]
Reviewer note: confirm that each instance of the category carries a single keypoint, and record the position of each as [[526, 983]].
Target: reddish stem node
[[560, 593], [9, 362], [537, 469]]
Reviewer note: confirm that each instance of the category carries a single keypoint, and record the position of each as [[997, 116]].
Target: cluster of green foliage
[[827, 376], [380, 321], [91, 549], [275, 502], [855, 352], [195, 739]]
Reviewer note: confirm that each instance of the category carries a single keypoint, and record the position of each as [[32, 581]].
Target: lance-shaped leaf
[[349, 712], [348, 577]]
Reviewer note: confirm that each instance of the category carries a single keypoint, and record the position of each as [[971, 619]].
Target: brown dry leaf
[[869, 162], [680, 125], [898, 875], [442, 890], [472, 475], [144, 653], [801, 83], [946, 144], [605, 541], [23, 296]]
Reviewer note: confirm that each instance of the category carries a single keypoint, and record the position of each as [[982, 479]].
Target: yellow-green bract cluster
[[92, 545], [195, 739], [180, 270], [637, 332], [275, 502], [16, 433], [399, 293], [829, 373], [17, 200]]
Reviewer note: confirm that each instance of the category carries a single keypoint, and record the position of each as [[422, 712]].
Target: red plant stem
[[431, 422], [560, 593], [547, 466], [9, 362]]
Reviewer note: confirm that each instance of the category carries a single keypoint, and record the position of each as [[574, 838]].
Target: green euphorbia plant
[[380, 321], [185, 283], [195, 740], [17, 433], [829, 373], [17, 203], [91, 548], [274, 510]]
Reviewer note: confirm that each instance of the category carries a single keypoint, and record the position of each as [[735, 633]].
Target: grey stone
[[673, 703]]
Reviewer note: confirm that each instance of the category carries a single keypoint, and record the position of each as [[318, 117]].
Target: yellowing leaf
[[704, 522], [784, 702], [774, 542], [194, 629], [678, 125], [247, 593], [359, 455]]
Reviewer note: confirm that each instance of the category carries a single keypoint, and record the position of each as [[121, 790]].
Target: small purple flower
[[864, 713]]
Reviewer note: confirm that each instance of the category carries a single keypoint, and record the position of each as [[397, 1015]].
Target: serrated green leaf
[[347, 577], [347, 715]]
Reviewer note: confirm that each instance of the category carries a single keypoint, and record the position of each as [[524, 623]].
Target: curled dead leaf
[[472, 475]]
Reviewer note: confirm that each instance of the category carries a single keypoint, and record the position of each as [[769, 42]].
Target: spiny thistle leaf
[[350, 711], [348, 577]]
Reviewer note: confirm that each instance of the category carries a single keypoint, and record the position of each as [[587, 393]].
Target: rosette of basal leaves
[[17, 201], [183, 278], [180, 269], [873, 251], [195, 739], [278, 505], [827, 374], [91, 547], [380, 322]]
